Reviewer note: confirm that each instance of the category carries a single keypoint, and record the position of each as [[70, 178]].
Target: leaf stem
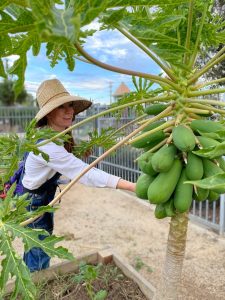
[[126, 125], [195, 52], [205, 101], [154, 78], [146, 50], [189, 29], [208, 107], [208, 66], [207, 92], [211, 82], [196, 110]]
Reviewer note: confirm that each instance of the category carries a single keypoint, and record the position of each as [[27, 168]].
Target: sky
[[88, 80]]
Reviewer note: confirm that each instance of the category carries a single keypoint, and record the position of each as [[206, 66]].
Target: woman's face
[[61, 117]]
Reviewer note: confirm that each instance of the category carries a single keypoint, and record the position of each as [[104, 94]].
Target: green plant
[[86, 275]]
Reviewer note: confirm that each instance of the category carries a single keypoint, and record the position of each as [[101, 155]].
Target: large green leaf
[[212, 152], [23, 23], [217, 135], [18, 69], [116, 3], [57, 52], [30, 239], [5, 3], [13, 265], [2, 69], [211, 183]]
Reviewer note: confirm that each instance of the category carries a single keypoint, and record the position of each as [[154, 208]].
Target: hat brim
[[80, 104]]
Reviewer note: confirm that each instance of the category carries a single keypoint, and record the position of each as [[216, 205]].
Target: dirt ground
[[94, 218]]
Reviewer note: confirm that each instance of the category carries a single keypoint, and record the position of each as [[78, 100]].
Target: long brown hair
[[68, 145]]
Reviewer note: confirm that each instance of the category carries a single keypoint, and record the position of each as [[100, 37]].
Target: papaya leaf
[[5, 45], [63, 25], [217, 135], [212, 152], [56, 52], [31, 239], [18, 69], [88, 10], [13, 265], [2, 70], [5, 3], [116, 3], [211, 183], [36, 44]]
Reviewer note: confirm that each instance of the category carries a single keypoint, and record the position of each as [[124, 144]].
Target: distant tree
[[218, 71], [8, 97]]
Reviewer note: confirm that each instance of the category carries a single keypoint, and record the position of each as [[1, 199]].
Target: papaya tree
[[182, 146]]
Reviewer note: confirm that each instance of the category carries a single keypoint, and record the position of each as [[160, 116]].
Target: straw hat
[[51, 94]]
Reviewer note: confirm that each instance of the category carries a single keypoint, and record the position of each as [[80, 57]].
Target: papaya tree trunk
[[171, 275]]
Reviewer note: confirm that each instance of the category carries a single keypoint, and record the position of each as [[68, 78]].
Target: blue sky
[[88, 80]]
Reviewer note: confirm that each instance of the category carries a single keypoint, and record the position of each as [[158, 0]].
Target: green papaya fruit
[[201, 194], [162, 160], [160, 211], [211, 169], [207, 142], [183, 138], [145, 163], [213, 196], [155, 109], [169, 207], [147, 140], [206, 126], [221, 162], [142, 185], [194, 167], [183, 193], [162, 187], [153, 125]]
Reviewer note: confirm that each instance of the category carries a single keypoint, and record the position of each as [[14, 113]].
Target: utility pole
[[110, 92]]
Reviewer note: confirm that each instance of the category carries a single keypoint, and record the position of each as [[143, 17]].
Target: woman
[[57, 110]]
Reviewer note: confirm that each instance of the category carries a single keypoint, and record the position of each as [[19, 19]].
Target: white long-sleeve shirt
[[38, 171]]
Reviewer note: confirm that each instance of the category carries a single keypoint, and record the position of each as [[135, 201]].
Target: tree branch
[[154, 78]]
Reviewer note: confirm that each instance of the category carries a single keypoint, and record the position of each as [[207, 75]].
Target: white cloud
[[11, 59]]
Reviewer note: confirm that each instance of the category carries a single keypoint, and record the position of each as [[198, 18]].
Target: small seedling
[[87, 274]]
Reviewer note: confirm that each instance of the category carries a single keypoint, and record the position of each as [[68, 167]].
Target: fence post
[[222, 213]]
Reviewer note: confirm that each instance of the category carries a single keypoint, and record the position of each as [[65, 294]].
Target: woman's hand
[[126, 185]]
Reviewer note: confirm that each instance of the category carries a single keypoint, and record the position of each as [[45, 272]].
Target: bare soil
[[109, 280], [94, 219]]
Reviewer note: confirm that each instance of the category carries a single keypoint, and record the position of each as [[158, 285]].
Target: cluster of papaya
[[166, 169]]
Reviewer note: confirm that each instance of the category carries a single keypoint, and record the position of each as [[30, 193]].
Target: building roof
[[121, 90]]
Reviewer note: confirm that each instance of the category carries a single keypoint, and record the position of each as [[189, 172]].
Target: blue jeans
[[36, 259]]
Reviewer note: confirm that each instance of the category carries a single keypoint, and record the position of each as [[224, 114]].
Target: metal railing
[[121, 163]]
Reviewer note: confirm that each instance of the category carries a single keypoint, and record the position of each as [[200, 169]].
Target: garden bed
[[101, 273]]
